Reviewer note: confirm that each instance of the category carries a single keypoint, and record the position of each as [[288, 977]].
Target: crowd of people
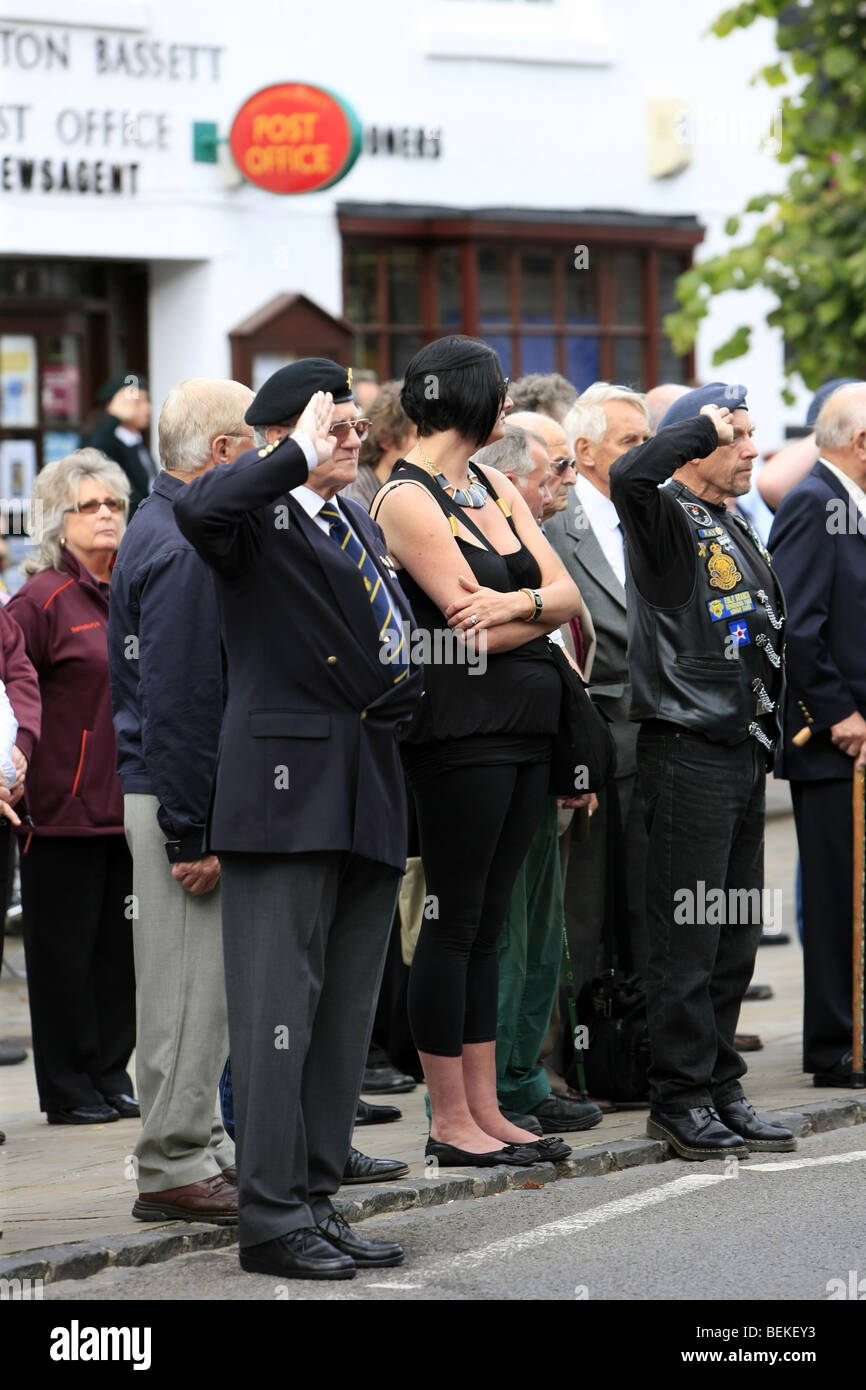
[[277, 852]]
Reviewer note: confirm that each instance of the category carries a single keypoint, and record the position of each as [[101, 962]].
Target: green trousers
[[530, 951]]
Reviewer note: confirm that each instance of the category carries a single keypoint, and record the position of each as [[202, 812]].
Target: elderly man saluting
[[705, 657], [309, 813]]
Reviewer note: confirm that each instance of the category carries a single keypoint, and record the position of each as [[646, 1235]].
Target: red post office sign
[[294, 138]]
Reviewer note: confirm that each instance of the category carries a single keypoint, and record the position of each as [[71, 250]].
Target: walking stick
[[858, 1075], [572, 1016]]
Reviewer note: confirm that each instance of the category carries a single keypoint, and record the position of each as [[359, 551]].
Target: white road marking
[[856, 1157], [569, 1225], [393, 1286]]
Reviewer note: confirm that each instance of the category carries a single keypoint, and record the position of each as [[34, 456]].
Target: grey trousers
[[181, 1014], [304, 938]]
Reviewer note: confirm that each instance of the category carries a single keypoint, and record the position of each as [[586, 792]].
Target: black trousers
[[475, 826], [824, 818], [76, 893], [705, 819]]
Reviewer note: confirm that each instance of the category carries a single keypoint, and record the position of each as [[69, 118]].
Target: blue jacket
[[820, 557], [165, 662], [308, 758]]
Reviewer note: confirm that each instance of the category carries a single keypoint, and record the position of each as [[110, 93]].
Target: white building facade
[[536, 172]]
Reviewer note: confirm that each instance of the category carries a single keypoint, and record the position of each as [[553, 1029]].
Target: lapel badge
[[722, 569], [349, 379]]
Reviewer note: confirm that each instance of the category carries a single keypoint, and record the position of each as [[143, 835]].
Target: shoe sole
[[656, 1131], [389, 1090], [147, 1213], [390, 1263], [379, 1120], [55, 1119], [779, 1146], [384, 1177], [258, 1267], [822, 1079]]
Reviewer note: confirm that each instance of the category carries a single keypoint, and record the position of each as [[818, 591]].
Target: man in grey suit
[[605, 422]]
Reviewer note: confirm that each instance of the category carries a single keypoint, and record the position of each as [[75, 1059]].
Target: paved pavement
[[72, 1187]]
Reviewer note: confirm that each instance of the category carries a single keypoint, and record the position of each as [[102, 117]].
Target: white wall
[[551, 134]]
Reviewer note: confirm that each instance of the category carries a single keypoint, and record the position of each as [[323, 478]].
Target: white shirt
[[854, 490], [604, 520], [313, 502]]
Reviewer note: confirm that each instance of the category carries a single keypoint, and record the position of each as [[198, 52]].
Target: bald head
[[202, 424], [660, 399], [840, 431]]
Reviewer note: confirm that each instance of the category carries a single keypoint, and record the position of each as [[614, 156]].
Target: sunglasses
[[341, 429], [560, 465], [91, 507]]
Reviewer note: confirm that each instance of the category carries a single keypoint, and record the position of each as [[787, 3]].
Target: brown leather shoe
[[231, 1175], [747, 1042], [213, 1200]]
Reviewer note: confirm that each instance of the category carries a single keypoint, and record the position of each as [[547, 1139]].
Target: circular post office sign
[[295, 138]]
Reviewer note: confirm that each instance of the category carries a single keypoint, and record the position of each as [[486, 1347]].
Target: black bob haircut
[[454, 383]]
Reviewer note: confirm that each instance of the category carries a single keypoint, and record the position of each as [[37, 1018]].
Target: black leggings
[[475, 826]]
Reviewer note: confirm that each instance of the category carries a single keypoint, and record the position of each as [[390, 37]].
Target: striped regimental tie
[[387, 620]]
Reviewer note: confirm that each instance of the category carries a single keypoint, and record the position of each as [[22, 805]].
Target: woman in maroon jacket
[[76, 872]]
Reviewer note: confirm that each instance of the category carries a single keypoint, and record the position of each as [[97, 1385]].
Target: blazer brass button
[[363, 714], [332, 661]]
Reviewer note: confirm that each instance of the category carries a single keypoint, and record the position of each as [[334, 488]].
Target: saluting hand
[[721, 418], [316, 422]]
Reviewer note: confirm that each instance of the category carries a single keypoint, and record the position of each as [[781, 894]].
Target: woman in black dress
[[485, 588]]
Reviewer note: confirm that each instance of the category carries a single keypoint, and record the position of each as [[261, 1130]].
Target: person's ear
[[583, 451]]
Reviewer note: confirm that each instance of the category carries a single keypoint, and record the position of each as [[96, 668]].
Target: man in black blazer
[[309, 812], [818, 542]]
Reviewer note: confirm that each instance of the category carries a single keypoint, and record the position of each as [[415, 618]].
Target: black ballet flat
[[511, 1156]]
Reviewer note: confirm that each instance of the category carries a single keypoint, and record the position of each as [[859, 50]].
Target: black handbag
[[584, 753]]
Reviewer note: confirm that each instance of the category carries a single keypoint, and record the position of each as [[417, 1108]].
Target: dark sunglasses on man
[[341, 429]]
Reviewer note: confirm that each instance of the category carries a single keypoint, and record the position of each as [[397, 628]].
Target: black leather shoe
[[10, 1055], [557, 1113], [840, 1075], [774, 938], [522, 1121], [360, 1168], [367, 1254], [511, 1155], [382, 1077], [376, 1114], [303, 1254], [759, 992], [760, 1135], [696, 1134], [127, 1107], [83, 1115]]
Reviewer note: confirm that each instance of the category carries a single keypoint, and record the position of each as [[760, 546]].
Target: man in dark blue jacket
[[167, 699], [819, 550], [309, 814]]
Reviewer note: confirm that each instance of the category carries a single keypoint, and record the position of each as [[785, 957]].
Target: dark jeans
[[705, 818], [75, 892]]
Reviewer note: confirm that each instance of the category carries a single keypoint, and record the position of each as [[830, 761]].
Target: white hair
[[586, 418], [843, 415], [510, 454], [55, 491], [194, 414]]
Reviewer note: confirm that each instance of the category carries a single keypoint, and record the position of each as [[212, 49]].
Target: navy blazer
[[819, 554], [308, 751]]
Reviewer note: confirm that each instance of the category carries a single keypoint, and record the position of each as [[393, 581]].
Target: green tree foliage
[[811, 249]]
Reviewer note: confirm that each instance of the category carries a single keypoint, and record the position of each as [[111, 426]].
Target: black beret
[[286, 393], [688, 407], [109, 389]]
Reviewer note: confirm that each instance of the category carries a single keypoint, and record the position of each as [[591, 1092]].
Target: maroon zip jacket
[[72, 784], [21, 682]]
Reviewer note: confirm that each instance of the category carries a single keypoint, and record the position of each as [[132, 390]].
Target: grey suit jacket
[[577, 545]]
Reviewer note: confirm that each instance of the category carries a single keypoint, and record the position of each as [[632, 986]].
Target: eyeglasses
[[341, 429], [503, 390], [91, 507], [560, 465]]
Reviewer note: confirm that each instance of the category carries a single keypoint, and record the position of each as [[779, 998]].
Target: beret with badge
[[726, 395], [286, 393]]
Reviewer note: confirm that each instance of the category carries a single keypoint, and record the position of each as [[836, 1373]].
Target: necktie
[[387, 621]]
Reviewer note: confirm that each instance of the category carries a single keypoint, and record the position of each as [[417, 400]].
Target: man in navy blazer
[[819, 550], [309, 810]]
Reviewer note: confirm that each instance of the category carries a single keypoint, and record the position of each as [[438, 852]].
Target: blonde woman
[[76, 872]]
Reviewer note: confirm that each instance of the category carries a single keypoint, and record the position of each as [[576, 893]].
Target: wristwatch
[[538, 602]]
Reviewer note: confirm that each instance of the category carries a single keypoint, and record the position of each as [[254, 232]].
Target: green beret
[[286, 393]]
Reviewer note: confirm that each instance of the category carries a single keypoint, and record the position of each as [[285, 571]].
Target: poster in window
[[18, 400], [17, 470]]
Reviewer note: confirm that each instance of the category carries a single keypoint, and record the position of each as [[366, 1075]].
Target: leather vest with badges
[[716, 663]]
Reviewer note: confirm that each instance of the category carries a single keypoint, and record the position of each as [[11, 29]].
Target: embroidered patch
[[740, 633], [696, 512], [731, 606], [721, 569], [711, 531]]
